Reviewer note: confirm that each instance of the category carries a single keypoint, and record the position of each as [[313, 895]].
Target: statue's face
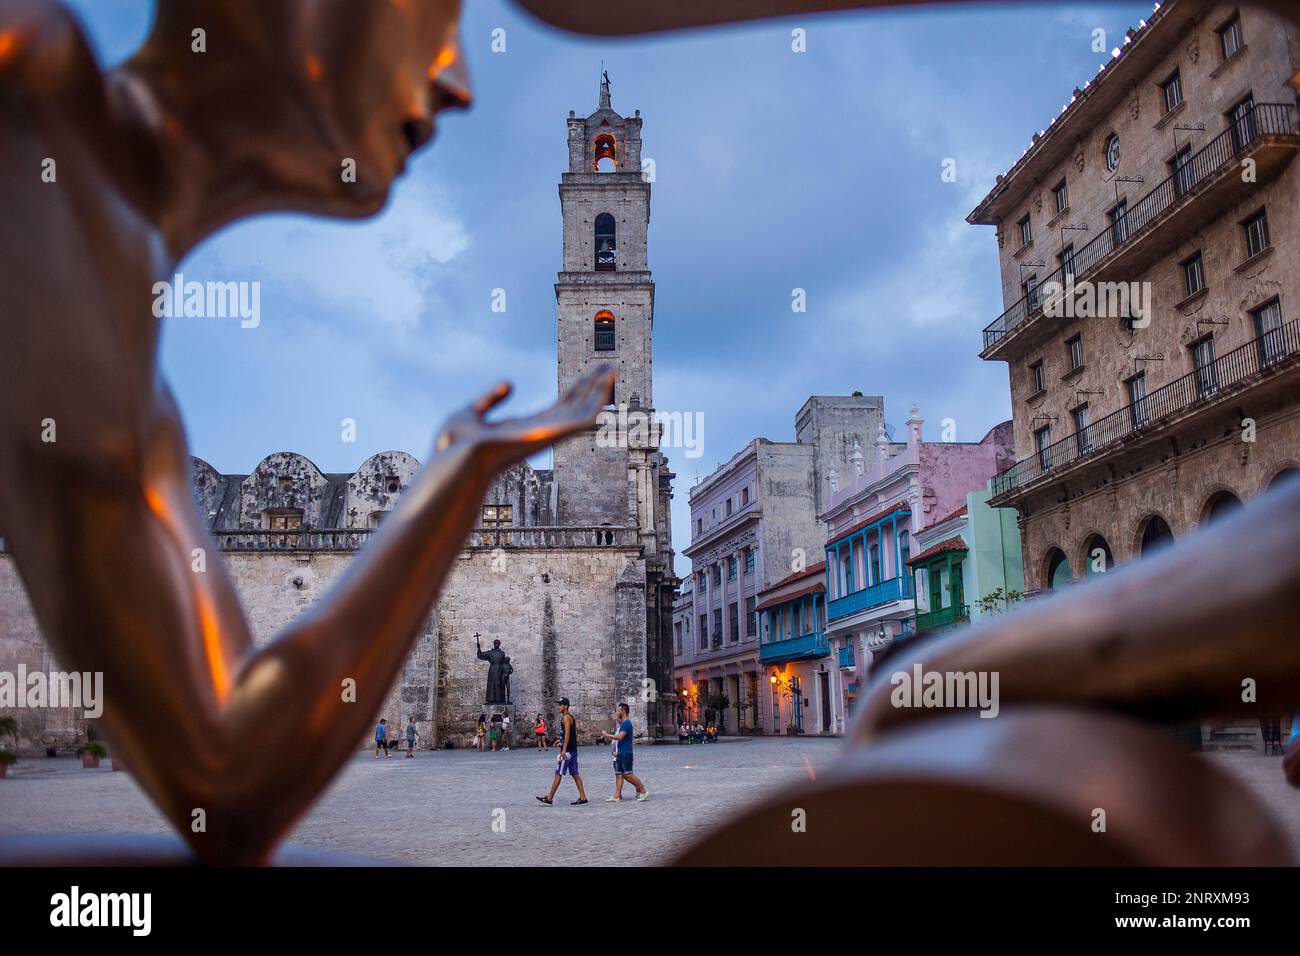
[[326, 82], [383, 69], [496, 644]]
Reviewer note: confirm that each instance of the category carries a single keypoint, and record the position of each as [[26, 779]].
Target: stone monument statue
[[498, 675]]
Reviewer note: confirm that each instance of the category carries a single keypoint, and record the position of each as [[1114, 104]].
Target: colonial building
[[753, 523], [570, 568], [968, 558], [872, 517], [1150, 257]]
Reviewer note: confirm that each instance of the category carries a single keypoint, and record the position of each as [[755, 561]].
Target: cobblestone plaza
[[439, 808]]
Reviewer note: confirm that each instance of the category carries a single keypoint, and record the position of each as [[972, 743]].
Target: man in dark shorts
[[623, 758], [568, 759], [381, 737]]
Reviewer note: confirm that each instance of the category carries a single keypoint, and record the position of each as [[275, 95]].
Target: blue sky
[[774, 170]]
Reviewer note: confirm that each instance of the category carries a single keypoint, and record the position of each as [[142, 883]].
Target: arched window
[[604, 331], [605, 244], [606, 159], [1155, 535], [1283, 477], [1221, 505], [1096, 557], [1058, 569]]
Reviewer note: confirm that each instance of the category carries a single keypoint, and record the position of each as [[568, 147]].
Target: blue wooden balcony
[[803, 647], [894, 589]]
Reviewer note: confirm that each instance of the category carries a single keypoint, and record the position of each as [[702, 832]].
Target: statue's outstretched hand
[[499, 444]]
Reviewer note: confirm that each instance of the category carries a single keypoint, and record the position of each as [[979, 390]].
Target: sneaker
[[546, 800], [643, 796], [577, 803], [613, 799]]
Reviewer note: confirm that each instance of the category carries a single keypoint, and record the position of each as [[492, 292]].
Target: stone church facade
[[570, 568]]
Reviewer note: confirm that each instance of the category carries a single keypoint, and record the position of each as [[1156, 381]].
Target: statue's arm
[[363, 628]]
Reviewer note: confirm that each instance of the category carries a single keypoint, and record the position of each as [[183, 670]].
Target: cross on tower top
[[604, 87]]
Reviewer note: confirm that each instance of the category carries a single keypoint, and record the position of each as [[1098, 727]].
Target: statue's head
[[496, 644], [316, 83]]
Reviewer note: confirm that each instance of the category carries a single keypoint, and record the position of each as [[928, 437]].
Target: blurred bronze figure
[[108, 180]]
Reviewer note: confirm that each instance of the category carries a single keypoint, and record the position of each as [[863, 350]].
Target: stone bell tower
[[604, 303]]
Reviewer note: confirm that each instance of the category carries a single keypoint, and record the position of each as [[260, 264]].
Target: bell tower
[[604, 301]]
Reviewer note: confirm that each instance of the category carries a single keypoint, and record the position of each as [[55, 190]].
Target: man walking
[[381, 737], [410, 737], [623, 758], [567, 762]]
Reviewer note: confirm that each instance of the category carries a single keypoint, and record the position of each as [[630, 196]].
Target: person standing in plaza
[[505, 731], [567, 762], [480, 733], [494, 732], [539, 731], [410, 737], [381, 737], [622, 741]]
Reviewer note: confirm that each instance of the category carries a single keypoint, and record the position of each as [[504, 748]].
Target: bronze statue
[[232, 741], [109, 179], [497, 677]]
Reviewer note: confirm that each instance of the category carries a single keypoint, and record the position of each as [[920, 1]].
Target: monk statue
[[496, 675], [107, 180]]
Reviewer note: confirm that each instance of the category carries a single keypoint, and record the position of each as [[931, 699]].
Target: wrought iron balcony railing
[[1266, 119], [1260, 356]]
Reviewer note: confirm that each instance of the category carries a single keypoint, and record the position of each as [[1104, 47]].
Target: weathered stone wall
[[572, 621], [832, 424]]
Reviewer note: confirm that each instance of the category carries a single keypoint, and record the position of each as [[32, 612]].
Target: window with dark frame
[[1172, 89], [704, 632], [1036, 371], [1083, 437], [1268, 330], [1256, 228], [1180, 167], [1119, 223], [749, 560], [733, 620], [1026, 232], [1207, 376], [1074, 345], [1066, 260], [497, 516], [1193, 273], [717, 627], [1042, 439], [744, 496], [1137, 398], [1030, 289], [728, 507], [1230, 38], [751, 617], [1062, 196], [1241, 120]]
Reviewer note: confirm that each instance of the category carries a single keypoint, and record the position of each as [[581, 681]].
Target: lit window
[[604, 331]]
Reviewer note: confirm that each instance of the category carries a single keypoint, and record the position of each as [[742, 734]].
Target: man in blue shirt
[[623, 758]]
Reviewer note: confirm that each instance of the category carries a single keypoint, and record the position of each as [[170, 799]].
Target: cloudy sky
[[775, 170]]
